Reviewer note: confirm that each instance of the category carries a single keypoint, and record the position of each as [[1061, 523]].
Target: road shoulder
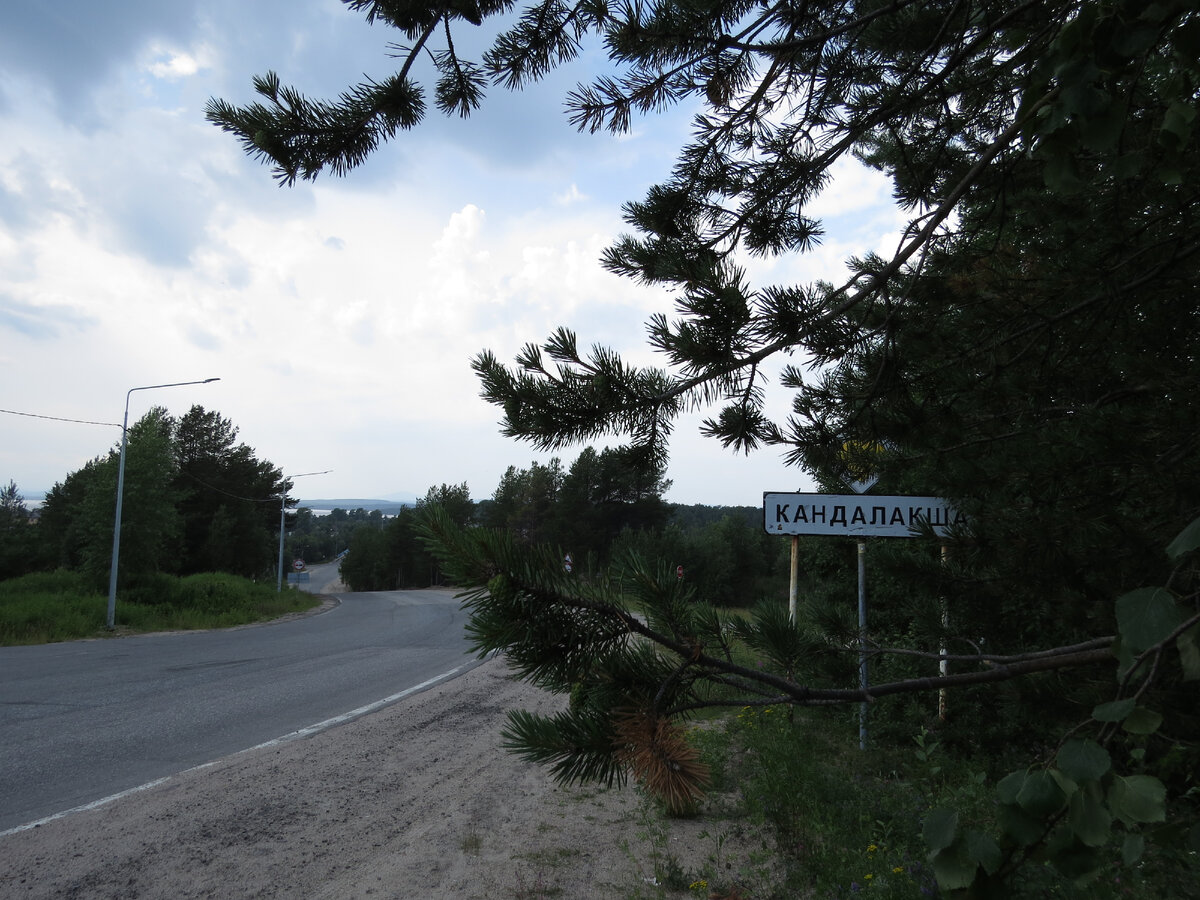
[[418, 799]]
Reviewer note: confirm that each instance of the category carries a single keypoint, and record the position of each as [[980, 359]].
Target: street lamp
[[112, 572], [282, 511]]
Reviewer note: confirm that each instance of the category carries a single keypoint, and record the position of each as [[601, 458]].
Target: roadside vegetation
[[796, 810], [1026, 350], [599, 508], [64, 606]]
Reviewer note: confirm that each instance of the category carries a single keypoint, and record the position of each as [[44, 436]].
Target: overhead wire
[[13, 412]]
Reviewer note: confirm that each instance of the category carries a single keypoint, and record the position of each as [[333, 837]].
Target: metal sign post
[[794, 578], [943, 663], [863, 681]]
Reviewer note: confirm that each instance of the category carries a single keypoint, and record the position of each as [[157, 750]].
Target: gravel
[[415, 800]]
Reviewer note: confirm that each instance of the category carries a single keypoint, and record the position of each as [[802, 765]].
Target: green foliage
[[603, 494], [193, 501], [454, 499], [49, 606], [1028, 351], [884, 823], [229, 499], [18, 545], [364, 568], [727, 560], [576, 748], [61, 606], [1067, 814], [797, 652], [603, 508], [76, 526], [843, 822], [524, 500], [324, 537], [386, 555]]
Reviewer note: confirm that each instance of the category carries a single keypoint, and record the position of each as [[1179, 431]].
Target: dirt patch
[[415, 800]]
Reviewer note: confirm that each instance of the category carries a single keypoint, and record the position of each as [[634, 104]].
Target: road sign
[[298, 564], [860, 515], [857, 515], [857, 478]]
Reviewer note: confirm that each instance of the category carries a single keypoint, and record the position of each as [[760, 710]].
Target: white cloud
[[145, 248], [172, 64], [570, 195]]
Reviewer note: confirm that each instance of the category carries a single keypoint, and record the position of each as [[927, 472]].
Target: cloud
[[570, 195], [41, 322], [140, 245], [173, 64], [86, 42], [203, 338]]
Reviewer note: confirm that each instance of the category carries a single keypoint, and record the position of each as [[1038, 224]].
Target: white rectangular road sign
[[861, 515]]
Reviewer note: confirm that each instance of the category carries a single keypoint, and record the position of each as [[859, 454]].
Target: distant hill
[[395, 502], [689, 515]]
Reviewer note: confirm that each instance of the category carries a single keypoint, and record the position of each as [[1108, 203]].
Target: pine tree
[[17, 546], [1028, 350], [229, 499]]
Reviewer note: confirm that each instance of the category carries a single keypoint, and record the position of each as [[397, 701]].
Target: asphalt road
[[84, 720]]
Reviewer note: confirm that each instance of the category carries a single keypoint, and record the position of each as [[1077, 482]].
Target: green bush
[[845, 821], [150, 589], [214, 593], [49, 606], [62, 606]]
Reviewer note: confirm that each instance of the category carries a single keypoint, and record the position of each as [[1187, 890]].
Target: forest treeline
[[196, 499], [604, 505]]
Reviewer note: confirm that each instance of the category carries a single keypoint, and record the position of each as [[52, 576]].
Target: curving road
[[84, 720]]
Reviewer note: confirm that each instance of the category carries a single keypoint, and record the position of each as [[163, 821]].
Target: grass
[[550, 857], [471, 843], [537, 889], [47, 607], [798, 812], [844, 821]]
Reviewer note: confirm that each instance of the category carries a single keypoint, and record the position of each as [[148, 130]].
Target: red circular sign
[[297, 564]]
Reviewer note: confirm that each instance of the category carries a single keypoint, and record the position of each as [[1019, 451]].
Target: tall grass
[[61, 606], [847, 823]]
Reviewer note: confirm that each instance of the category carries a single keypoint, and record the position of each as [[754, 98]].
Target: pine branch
[[557, 596]]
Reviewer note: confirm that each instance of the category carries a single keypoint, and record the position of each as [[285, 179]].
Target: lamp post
[[282, 511], [116, 550]]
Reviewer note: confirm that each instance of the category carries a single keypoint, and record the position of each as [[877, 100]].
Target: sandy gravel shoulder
[[415, 800]]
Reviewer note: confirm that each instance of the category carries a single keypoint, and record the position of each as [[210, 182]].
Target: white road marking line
[[287, 738]]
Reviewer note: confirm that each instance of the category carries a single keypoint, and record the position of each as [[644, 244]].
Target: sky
[[139, 246]]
